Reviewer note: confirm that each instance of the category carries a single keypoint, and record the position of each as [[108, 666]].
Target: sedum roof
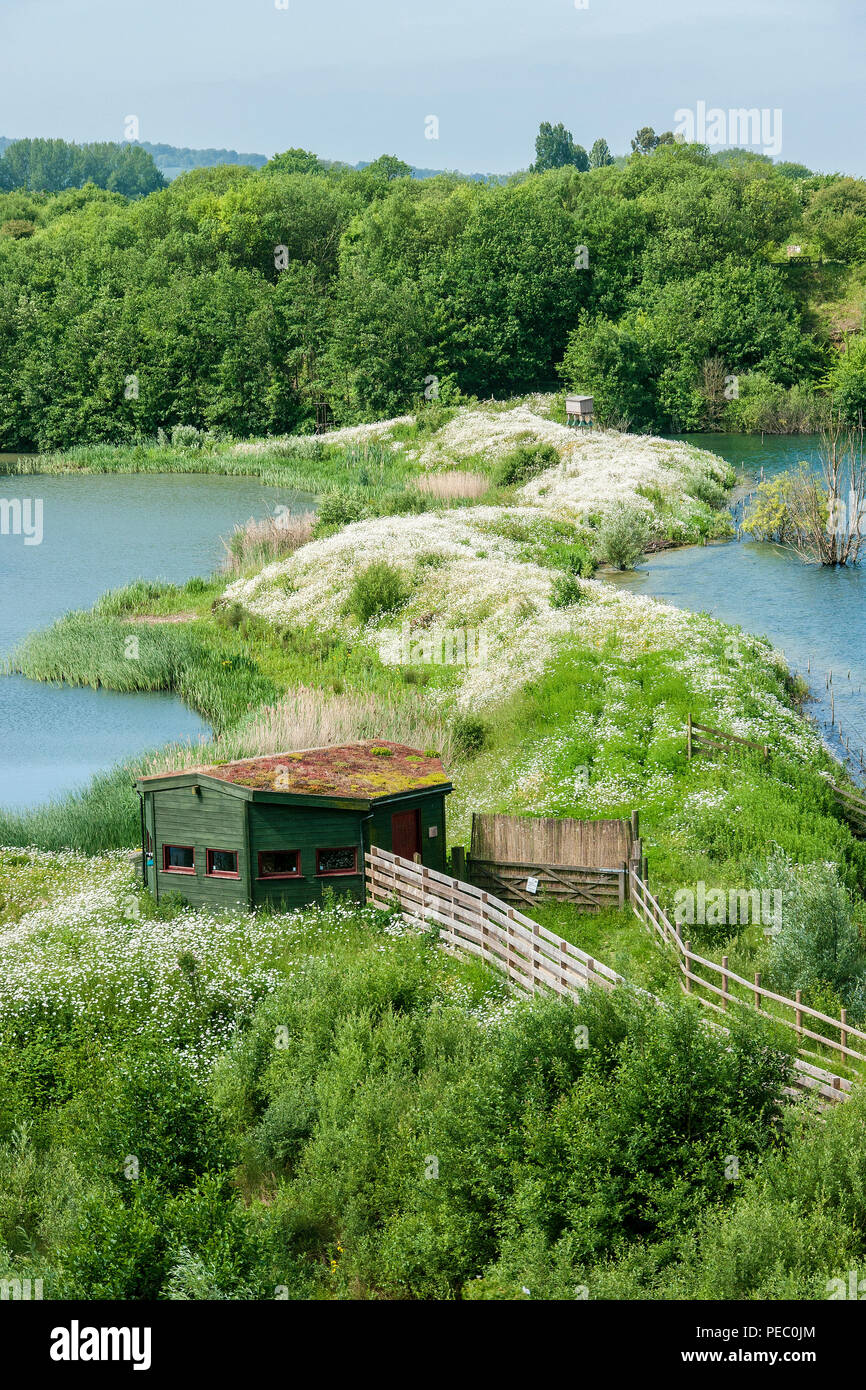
[[357, 770]]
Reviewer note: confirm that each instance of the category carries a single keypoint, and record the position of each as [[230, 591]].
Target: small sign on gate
[[532, 885]]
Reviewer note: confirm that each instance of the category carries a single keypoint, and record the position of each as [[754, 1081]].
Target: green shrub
[[470, 734], [338, 509], [433, 416], [376, 589], [186, 437], [623, 535], [524, 463], [565, 591], [817, 943]]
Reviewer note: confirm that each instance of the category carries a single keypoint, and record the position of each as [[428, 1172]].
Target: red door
[[406, 833]]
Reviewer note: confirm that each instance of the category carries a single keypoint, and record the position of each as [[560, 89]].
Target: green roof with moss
[[357, 770]]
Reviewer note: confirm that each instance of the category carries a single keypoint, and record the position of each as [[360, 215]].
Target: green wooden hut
[[275, 831]]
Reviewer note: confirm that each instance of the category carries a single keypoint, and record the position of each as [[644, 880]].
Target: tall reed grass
[[259, 543], [454, 484], [208, 670], [104, 815]]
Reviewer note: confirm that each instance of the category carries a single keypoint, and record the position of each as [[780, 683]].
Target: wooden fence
[[733, 989], [474, 923], [699, 736], [853, 808], [524, 858]]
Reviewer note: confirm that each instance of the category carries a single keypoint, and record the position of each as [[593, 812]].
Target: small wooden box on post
[[579, 410]]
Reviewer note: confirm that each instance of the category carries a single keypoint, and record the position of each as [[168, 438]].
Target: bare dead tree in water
[[827, 508], [714, 381]]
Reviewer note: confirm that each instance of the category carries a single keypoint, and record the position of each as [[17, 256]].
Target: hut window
[[337, 861], [178, 859], [280, 863], [222, 863]]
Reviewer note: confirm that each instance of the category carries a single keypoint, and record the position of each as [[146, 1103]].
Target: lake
[[817, 616], [99, 532]]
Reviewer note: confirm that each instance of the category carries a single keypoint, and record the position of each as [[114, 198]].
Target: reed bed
[[260, 542], [454, 484]]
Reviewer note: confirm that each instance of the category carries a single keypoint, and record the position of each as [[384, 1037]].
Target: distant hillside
[[433, 173], [172, 160]]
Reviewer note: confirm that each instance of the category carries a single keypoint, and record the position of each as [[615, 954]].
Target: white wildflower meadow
[[481, 582], [600, 468], [88, 950], [490, 434], [379, 430]]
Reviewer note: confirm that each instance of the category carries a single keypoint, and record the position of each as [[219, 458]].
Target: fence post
[[689, 737], [458, 861], [724, 983], [686, 966], [843, 1037], [624, 888], [799, 1015], [758, 990]]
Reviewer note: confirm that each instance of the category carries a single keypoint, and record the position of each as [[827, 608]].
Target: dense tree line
[[52, 166], [236, 299]]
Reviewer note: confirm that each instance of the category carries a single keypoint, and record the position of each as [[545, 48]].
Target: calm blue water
[[816, 616], [100, 532]]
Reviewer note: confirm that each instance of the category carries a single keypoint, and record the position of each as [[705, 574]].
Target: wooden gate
[[523, 859]]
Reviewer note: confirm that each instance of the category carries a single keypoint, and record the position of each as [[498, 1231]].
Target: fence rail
[[853, 807], [700, 736], [790, 1012], [590, 888], [475, 923]]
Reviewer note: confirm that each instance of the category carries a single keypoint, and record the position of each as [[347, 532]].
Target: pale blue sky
[[352, 79]]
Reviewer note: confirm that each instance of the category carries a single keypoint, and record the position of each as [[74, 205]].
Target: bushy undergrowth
[[385, 1124], [376, 589]]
